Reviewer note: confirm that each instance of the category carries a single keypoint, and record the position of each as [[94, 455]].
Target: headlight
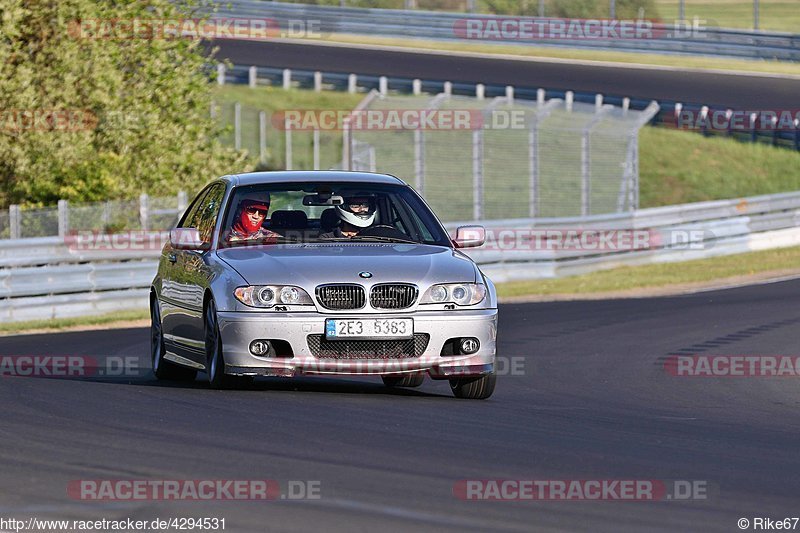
[[459, 293], [270, 295]]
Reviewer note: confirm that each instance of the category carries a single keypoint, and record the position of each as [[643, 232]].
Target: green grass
[[9, 328], [679, 167], [661, 275], [775, 15]]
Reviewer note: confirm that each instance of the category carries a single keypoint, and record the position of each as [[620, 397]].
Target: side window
[[193, 214], [209, 211]]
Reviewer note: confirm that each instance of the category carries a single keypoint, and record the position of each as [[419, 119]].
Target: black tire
[[215, 358], [404, 380], [478, 388], [163, 369]]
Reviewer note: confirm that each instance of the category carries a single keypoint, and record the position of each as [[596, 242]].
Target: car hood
[[309, 265]]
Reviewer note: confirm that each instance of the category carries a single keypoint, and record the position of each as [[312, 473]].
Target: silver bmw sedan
[[339, 273]]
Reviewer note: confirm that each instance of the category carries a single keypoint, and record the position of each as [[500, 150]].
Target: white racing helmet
[[360, 218]]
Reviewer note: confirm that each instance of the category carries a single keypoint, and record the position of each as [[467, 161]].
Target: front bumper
[[238, 330]]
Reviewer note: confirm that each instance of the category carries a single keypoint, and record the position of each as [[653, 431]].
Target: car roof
[[299, 176]]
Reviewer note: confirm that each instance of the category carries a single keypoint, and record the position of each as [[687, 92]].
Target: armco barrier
[[47, 278], [438, 25]]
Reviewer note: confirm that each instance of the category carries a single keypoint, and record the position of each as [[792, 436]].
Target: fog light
[[259, 347], [470, 345]]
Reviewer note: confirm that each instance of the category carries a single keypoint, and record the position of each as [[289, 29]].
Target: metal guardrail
[[52, 277], [442, 26]]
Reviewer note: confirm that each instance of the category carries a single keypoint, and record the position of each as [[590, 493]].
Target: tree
[[90, 111]]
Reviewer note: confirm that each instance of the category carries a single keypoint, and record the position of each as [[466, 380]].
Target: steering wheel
[[383, 230]]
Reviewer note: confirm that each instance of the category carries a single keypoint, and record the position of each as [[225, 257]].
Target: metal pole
[[144, 211], [288, 144], [419, 161], [533, 167], [636, 173], [682, 10], [477, 174], [585, 173], [237, 126], [262, 136], [756, 9], [541, 8], [347, 139], [220, 74], [252, 77], [107, 214], [14, 222], [63, 218], [612, 9], [316, 148], [287, 79], [183, 201]]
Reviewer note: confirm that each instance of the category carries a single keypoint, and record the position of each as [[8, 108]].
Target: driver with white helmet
[[356, 213]]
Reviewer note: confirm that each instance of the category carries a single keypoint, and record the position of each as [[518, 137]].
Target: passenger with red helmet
[[249, 217]]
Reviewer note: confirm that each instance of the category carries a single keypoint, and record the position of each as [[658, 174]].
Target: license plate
[[373, 328]]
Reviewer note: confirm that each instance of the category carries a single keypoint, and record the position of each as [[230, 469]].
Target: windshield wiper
[[263, 240], [382, 239]]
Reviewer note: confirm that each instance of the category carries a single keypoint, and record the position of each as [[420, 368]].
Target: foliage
[[137, 108]]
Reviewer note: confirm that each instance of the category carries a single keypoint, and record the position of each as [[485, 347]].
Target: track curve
[[711, 88]]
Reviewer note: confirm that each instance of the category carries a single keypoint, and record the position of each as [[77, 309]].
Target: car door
[[188, 278]]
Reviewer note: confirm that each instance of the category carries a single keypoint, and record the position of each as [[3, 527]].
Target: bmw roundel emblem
[[365, 275]]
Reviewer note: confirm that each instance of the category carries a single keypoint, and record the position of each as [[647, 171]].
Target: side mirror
[[187, 239], [470, 236]]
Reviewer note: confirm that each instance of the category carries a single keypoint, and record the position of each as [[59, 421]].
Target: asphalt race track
[[594, 402], [714, 89]]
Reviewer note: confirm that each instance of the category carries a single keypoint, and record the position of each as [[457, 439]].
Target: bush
[[144, 104]]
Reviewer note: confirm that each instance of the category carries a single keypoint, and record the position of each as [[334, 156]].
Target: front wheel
[[408, 380], [163, 369], [478, 388], [215, 359]]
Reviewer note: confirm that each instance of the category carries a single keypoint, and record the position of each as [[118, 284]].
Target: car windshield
[[331, 212]]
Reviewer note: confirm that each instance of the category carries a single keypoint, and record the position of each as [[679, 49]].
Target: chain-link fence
[[490, 159], [270, 144], [146, 213]]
